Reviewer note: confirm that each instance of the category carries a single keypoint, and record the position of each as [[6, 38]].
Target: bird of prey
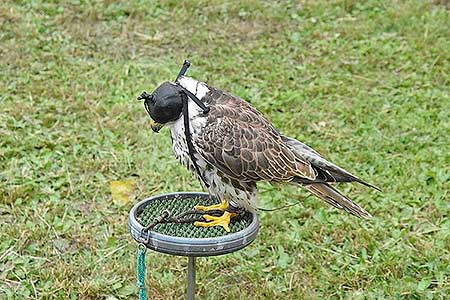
[[234, 146]]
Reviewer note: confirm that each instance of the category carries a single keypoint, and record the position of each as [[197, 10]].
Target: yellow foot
[[222, 206], [223, 221]]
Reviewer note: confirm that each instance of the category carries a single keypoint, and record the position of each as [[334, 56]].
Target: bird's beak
[[156, 127]]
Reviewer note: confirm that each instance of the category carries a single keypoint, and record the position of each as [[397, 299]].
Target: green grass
[[366, 83]]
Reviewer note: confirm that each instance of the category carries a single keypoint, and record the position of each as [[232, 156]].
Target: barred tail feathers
[[335, 198]]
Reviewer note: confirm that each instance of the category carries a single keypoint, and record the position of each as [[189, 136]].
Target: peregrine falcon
[[232, 146]]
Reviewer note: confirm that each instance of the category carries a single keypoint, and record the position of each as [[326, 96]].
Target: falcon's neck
[[199, 89]]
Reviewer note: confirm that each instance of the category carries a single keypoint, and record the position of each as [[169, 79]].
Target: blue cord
[[141, 272]]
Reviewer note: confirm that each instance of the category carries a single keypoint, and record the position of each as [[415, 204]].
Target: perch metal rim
[[184, 246]]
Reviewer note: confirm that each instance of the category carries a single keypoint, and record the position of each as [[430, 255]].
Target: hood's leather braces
[[185, 94]]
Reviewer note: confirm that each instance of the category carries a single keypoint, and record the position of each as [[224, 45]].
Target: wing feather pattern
[[244, 145]]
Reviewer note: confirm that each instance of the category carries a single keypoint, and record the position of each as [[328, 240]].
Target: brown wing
[[244, 145]]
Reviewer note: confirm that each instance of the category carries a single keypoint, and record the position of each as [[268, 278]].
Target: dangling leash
[[187, 132], [188, 135], [182, 218]]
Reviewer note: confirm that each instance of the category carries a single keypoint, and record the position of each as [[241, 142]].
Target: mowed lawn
[[366, 83]]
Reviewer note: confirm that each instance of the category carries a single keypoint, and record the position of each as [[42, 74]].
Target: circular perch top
[[187, 239]]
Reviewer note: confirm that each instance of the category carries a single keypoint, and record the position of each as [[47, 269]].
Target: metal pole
[[191, 278]]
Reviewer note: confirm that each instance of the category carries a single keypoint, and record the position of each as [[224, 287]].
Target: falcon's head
[[164, 105]]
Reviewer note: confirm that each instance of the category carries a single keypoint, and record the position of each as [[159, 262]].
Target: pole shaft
[[191, 278]]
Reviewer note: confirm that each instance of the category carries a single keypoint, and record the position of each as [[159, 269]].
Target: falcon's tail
[[332, 196]]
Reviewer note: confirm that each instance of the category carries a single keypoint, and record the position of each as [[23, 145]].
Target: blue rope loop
[[141, 272]]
